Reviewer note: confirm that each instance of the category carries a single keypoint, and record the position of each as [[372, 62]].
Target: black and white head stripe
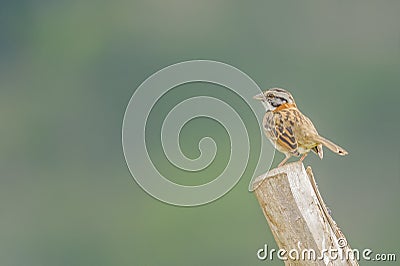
[[281, 93], [277, 96]]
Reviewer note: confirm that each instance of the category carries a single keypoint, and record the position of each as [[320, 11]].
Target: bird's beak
[[259, 97]]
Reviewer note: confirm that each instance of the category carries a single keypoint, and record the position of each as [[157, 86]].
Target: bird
[[290, 131]]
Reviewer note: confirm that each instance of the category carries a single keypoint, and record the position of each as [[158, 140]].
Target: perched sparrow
[[291, 132]]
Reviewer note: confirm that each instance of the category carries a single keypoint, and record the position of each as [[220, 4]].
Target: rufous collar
[[284, 106]]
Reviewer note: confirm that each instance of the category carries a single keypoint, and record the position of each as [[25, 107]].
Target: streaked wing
[[286, 138], [279, 129]]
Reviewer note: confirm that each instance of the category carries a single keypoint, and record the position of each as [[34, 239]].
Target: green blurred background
[[69, 68]]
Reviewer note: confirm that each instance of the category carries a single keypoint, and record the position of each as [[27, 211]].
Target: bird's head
[[275, 97]]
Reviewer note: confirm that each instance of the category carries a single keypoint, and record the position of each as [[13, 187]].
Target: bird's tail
[[330, 145]]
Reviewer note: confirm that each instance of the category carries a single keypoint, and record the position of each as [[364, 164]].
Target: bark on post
[[298, 217]]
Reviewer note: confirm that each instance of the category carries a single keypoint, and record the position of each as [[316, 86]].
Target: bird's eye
[[270, 95]]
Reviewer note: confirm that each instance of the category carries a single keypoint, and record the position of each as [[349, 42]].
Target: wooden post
[[299, 219]]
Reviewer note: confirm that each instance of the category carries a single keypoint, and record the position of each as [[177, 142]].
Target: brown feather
[[330, 145]]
